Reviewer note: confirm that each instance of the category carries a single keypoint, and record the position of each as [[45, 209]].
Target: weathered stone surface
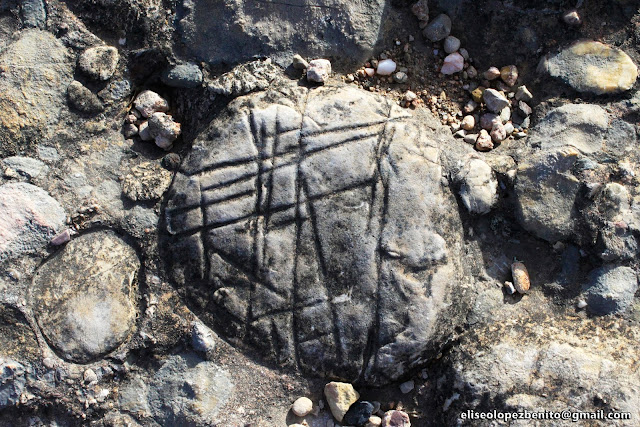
[[29, 218], [590, 66], [478, 186], [187, 75], [610, 289], [83, 298], [303, 223], [547, 190], [26, 167], [279, 30], [245, 78], [34, 13], [36, 70], [99, 62], [82, 99], [12, 382], [17, 340], [146, 181], [188, 391]]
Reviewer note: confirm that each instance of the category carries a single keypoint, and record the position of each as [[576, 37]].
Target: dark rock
[[82, 99], [185, 76], [263, 277], [12, 382], [438, 29], [358, 414], [34, 13], [171, 161], [610, 289]]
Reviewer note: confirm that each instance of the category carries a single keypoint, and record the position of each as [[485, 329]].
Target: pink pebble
[[453, 63]]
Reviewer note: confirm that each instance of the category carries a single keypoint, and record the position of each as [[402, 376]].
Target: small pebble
[[477, 93], [302, 407], [524, 109], [505, 114], [89, 376], [460, 134], [494, 100], [572, 18], [509, 74], [453, 63], [396, 418], [451, 44], [99, 62], [149, 102], [410, 96], [523, 94], [61, 238], [470, 106], [370, 72], [465, 53], [491, 74], [472, 72], [358, 414], [498, 133], [143, 131], [520, 135], [487, 120], [484, 143], [520, 277], [129, 130], [299, 63], [406, 387], [163, 129], [374, 421], [438, 29], [421, 10], [468, 123], [400, 77], [510, 289], [508, 128], [318, 71], [581, 304], [386, 67]]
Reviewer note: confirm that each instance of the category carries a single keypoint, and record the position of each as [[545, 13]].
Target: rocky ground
[[198, 227]]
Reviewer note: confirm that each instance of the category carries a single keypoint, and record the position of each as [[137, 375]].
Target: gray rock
[[615, 244], [163, 129], [38, 94], [148, 102], [82, 99], [12, 382], [99, 62], [188, 391], [478, 186], [116, 90], [279, 30], [589, 66], [438, 29], [495, 100], [523, 94], [33, 13], [25, 166], [610, 289], [319, 71], [582, 126], [246, 78], [202, 338], [266, 259], [299, 63], [84, 297], [17, 339], [186, 75], [133, 396], [29, 218], [146, 181], [546, 194], [451, 44]]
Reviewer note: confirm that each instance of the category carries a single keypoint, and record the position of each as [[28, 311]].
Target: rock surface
[[184, 76], [82, 99], [259, 251], [610, 289], [146, 181], [29, 218], [589, 66], [99, 62], [309, 28], [478, 189], [188, 391], [84, 297], [36, 70]]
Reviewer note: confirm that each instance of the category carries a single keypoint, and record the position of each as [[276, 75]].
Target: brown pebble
[[520, 277]]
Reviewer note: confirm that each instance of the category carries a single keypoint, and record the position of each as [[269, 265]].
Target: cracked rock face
[[315, 226]]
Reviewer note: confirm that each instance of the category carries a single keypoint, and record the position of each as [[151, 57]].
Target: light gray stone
[[495, 100], [25, 166], [610, 289], [84, 297], [388, 202], [188, 391], [29, 218], [278, 30], [451, 44], [478, 186]]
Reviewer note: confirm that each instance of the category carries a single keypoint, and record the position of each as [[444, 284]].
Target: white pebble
[[302, 406], [386, 67], [318, 70]]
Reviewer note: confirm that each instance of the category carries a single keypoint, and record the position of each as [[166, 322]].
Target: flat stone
[[99, 62], [292, 272], [610, 289], [299, 63], [146, 181], [187, 390], [83, 297], [187, 75], [36, 70], [29, 219], [340, 397], [495, 100], [478, 186], [589, 66]]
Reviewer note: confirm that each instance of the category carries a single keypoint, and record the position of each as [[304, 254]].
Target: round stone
[[83, 297], [302, 407], [301, 224]]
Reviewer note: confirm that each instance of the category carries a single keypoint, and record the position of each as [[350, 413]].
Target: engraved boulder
[[315, 227]]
